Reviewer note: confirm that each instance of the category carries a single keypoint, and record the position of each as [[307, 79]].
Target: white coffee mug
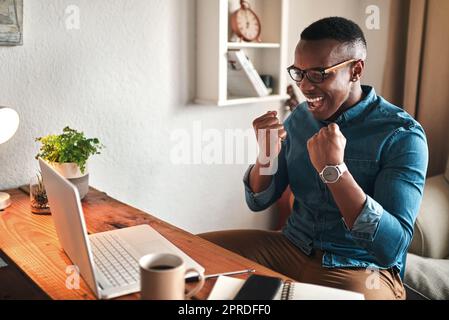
[[162, 277]]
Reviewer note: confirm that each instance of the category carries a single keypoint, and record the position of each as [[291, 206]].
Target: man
[[356, 165]]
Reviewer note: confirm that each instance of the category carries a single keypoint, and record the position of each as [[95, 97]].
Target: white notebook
[[226, 288]]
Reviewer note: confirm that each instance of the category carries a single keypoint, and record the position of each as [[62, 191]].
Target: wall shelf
[[213, 42], [243, 45], [233, 101]]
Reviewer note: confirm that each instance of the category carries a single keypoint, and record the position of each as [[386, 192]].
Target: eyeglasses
[[315, 75]]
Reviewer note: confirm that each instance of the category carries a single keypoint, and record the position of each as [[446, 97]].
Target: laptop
[[107, 261]]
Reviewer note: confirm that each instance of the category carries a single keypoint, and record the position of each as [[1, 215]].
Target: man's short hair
[[336, 28]]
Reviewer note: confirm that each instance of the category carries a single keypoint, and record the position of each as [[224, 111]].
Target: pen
[[196, 278]]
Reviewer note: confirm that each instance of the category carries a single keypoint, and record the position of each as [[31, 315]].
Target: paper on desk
[[226, 288]]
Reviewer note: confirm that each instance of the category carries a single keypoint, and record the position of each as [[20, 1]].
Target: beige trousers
[[273, 250]]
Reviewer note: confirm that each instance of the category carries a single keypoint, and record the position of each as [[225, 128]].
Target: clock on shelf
[[245, 23]]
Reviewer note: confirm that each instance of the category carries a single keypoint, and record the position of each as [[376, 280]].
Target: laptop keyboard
[[114, 261]]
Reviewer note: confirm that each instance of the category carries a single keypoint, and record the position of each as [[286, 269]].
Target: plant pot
[[72, 172]]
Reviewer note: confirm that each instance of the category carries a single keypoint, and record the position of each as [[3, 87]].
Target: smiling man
[[356, 165]]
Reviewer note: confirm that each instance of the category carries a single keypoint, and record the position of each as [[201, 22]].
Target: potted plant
[[68, 154]]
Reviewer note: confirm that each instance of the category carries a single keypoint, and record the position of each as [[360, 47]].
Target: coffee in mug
[[162, 277]]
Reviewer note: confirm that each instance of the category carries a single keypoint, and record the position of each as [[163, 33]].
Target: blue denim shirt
[[386, 153]]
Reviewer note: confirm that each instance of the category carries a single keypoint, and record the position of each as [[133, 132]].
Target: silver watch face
[[330, 174]]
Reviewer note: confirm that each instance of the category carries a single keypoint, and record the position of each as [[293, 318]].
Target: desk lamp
[[9, 122]]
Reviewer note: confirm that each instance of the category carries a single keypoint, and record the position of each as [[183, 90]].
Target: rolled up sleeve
[[367, 223], [262, 200], [385, 225]]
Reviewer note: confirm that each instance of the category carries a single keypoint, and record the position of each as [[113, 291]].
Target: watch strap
[[341, 168]]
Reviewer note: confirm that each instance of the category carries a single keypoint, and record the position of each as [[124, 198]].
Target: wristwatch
[[331, 174]]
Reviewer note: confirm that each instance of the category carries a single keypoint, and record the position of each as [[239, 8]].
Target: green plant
[[70, 146]]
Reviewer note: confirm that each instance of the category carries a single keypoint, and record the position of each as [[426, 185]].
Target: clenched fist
[[269, 134], [327, 147]]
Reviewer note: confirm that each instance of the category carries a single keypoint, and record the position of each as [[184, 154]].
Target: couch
[[427, 266]]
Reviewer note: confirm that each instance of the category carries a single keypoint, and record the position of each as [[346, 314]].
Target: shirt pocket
[[364, 173]]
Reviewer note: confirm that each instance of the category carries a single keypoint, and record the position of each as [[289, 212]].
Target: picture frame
[[11, 22]]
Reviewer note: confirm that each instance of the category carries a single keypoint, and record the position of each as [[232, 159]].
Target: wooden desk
[[31, 242]]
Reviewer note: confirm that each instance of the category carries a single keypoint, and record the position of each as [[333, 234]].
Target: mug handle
[[198, 287]]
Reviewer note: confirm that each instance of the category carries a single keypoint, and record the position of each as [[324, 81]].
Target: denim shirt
[[386, 153]]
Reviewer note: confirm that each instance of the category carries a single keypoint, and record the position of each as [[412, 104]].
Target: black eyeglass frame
[[324, 71]]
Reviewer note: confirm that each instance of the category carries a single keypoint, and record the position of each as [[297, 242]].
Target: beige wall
[[304, 12]]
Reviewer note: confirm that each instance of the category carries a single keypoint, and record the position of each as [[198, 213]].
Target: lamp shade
[[9, 122]]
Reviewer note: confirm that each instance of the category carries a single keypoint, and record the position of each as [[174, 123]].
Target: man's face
[[335, 91]]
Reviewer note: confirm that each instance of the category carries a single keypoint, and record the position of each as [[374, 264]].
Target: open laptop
[[108, 261]]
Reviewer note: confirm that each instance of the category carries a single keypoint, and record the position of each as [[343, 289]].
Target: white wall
[[127, 77]]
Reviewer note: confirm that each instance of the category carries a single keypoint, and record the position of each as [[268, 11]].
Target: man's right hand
[[267, 128]]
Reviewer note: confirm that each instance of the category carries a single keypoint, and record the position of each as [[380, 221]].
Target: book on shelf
[[227, 288], [243, 78]]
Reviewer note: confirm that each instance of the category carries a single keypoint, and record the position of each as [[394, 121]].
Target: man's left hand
[[327, 147]]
